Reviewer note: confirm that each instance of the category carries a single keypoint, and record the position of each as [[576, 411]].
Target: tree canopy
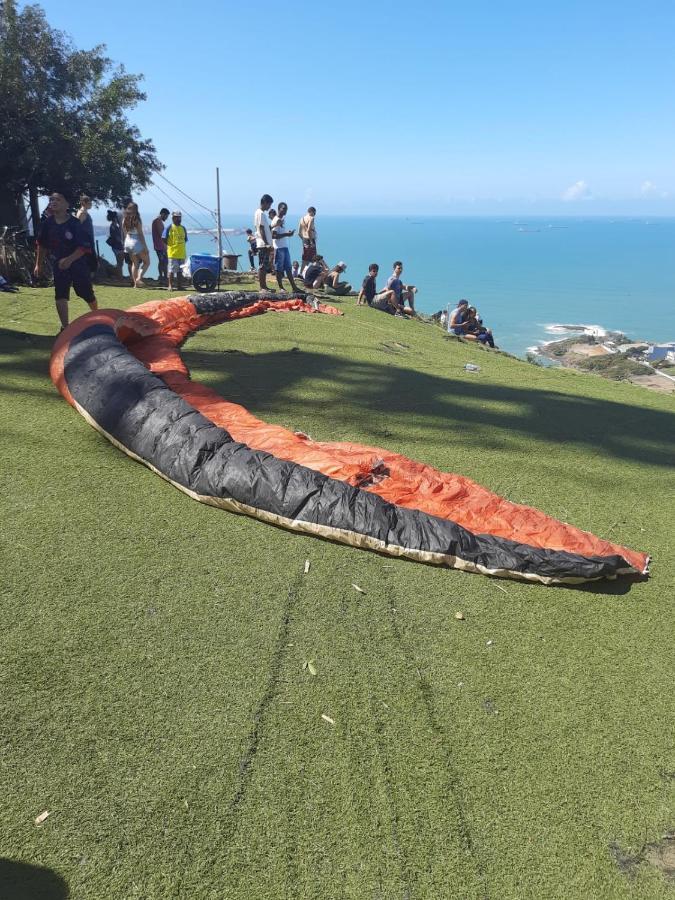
[[64, 110]]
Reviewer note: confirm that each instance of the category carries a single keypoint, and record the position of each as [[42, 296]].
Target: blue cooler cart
[[205, 270]]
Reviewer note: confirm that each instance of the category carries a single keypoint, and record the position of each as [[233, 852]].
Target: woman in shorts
[[134, 244]]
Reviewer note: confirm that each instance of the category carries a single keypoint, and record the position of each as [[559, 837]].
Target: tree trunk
[[12, 211], [34, 208]]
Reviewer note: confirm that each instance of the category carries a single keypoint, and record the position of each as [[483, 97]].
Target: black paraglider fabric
[[223, 301], [145, 416]]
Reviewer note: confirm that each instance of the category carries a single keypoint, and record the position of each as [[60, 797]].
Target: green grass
[[152, 692]]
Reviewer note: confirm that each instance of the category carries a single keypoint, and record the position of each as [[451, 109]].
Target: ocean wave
[[596, 331]]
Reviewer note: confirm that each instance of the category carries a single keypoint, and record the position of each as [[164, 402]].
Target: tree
[[64, 118]]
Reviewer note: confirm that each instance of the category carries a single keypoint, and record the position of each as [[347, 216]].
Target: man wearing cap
[[158, 243], [175, 237]]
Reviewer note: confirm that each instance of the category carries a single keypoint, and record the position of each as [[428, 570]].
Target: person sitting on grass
[[295, 269], [384, 300], [474, 330], [332, 283], [368, 288], [405, 293], [457, 317], [315, 273]]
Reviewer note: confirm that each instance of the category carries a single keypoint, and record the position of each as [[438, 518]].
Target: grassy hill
[[155, 697]]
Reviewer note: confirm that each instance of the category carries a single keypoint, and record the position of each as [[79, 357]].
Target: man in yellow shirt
[[175, 237]]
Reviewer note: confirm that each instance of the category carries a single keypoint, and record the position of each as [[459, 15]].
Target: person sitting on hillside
[[474, 330], [368, 288], [314, 274], [405, 293], [384, 300], [332, 283], [457, 317]]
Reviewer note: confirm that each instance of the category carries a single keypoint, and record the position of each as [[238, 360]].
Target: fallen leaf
[[327, 719], [488, 644], [459, 615], [306, 566], [311, 667], [40, 819], [357, 588]]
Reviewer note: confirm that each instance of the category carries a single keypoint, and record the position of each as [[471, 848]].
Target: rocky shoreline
[[616, 357]]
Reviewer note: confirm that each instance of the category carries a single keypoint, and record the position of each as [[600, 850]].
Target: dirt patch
[[660, 854], [588, 350], [655, 382]]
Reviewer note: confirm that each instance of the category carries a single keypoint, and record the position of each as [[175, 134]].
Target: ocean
[[530, 278]]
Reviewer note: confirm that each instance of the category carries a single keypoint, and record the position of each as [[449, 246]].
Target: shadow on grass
[[266, 382], [439, 405], [22, 881]]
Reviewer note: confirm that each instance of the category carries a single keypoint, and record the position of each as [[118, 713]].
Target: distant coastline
[[612, 355]]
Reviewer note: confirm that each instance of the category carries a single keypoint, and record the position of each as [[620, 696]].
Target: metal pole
[[220, 230]]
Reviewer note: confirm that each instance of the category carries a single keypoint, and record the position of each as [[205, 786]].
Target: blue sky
[[428, 107]]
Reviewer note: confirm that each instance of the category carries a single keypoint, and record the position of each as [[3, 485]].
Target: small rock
[[459, 615]]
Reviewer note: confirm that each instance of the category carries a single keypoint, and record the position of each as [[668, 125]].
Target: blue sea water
[[525, 275]]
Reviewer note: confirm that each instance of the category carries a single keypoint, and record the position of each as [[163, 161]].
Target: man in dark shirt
[[62, 237], [315, 273], [368, 289], [159, 245]]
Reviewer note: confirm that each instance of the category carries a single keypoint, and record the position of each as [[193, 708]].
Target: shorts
[[282, 260], [77, 275], [308, 251], [380, 301], [174, 265], [263, 257], [133, 246]]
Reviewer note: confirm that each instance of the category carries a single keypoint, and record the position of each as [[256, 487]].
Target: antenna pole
[[220, 230]]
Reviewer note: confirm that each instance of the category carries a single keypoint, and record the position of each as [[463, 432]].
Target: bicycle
[[17, 252]]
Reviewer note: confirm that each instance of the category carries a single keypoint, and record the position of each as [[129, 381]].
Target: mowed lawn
[[154, 692]]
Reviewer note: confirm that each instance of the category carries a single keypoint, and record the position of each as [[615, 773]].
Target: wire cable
[[191, 199], [176, 204]]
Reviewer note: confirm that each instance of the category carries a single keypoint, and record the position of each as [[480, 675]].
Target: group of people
[[465, 322], [269, 241], [127, 241], [396, 298], [69, 241]]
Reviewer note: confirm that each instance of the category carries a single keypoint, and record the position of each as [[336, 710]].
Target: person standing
[[307, 234], [114, 239], [263, 234], [84, 218], [175, 238], [134, 243], [282, 255], [159, 245], [252, 248], [65, 240]]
